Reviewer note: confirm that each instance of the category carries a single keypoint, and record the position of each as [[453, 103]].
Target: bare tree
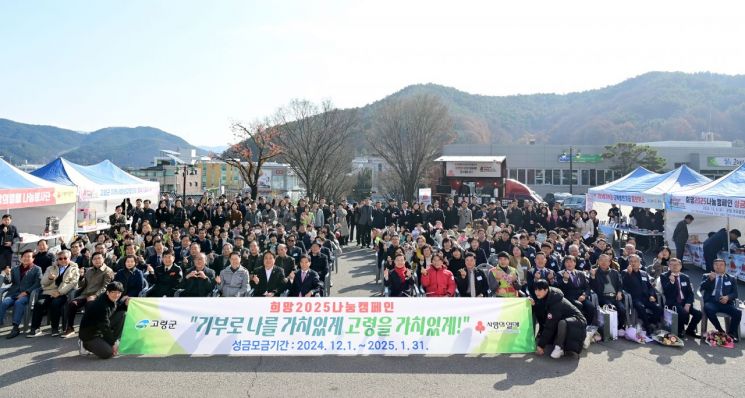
[[317, 142], [254, 146], [409, 135]]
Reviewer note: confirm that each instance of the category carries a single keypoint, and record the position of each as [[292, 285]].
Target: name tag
[[683, 283], [478, 278], [644, 278], [727, 283]]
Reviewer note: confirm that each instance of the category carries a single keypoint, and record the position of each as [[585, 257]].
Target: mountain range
[[125, 146], [650, 107]]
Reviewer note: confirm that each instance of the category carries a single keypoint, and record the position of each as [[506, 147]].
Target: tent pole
[[728, 242]]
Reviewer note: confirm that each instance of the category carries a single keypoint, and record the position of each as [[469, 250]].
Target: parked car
[[555, 197], [574, 202]]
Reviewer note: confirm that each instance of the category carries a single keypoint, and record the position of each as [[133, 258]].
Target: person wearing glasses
[[58, 280]]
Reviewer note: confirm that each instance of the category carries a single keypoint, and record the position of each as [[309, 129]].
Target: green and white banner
[[327, 326]]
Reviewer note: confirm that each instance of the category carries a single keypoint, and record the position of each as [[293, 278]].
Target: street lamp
[[187, 170], [571, 166]]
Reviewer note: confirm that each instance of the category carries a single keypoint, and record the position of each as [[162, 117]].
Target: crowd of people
[[556, 257], [207, 248], [242, 247]]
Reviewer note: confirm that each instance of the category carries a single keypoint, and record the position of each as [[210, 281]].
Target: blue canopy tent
[[101, 187]]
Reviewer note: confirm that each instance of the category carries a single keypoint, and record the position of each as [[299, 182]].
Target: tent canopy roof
[[13, 178], [63, 171], [624, 183]]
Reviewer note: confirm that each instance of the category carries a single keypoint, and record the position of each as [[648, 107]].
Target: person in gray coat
[[365, 222], [233, 280], [23, 280], [465, 216]]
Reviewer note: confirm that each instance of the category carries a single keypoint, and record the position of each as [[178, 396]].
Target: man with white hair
[[628, 250]]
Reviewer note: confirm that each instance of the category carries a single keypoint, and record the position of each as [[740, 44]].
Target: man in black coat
[[576, 288], [608, 285], [639, 285], [437, 215], [680, 236], [199, 281], [43, 258], [560, 322], [268, 281], [471, 281], [451, 214], [364, 223], [378, 216], [167, 278], [102, 324], [678, 291], [319, 262], [515, 215], [717, 243], [305, 282], [8, 236]]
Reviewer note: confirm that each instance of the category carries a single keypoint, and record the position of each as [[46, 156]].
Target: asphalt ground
[[51, 367]]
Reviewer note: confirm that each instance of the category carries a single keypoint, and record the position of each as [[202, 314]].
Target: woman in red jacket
[[437, 280]]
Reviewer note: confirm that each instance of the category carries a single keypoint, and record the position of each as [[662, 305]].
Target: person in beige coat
[[94, 283], [58, 280]]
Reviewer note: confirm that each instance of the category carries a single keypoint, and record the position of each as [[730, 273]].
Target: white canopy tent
[[649, 191], [101, 187], [31, 200]]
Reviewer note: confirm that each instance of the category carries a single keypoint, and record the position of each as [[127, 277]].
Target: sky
[[193, 67]]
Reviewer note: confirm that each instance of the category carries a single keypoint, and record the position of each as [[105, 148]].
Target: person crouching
[[560, 322]]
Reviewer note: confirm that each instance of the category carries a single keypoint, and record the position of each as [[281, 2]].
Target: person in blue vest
[[716, 243], [719, 292]]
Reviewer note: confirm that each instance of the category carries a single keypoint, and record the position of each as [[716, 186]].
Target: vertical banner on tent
[[327, 326]]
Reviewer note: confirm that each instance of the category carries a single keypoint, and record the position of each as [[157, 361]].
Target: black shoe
[[13, 333], [735, 339], [692, 333]]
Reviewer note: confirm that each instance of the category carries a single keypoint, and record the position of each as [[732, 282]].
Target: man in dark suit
[[471, 281], [223, 260], [284, 261], [575, 287], [638, 284], [678, 292], [8, 236], [378, 216], [199, 281], [306, 282], [716, 243], [166, 278], [268, 281], [319, 262], [607, 284], [451, 214], [23, 279], [719, 292], [680, 236]]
